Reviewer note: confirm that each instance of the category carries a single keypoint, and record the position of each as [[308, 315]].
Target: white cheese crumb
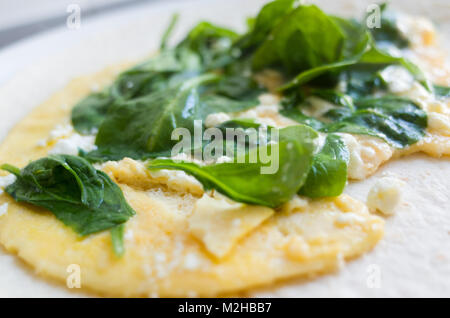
[[60, 131], [356, 168], [414, 27], [318, 107], [7, 180], [160, 257], [177, 179], [95, 87], [349, 218], [385, 195], [224, 159], [268, 99], [42, 143], [216, 119], [439, 122], [3, 209], [71, 145], [397, 78], [191, 261], [236, 222], [129, 235]]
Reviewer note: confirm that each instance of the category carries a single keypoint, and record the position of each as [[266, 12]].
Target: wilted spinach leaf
[[142, 127], [328, 174], [268, 17], [80, 196], [442, 91], [244, 182], [388, 33], [305, 38], [396, 120]]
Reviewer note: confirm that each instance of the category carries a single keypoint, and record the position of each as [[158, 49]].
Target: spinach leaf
[[142, 127], [117, 239], [213, 45], [305, 38], [388, 33], [244, 181], [398, 121], [90, 112], [328, 174], [441, 91], [363, 80], [161, 72], [334, 97], [268, 17], [168, 32], [80, 196], [296, 114]]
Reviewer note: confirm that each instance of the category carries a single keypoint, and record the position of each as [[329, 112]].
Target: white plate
[[413, 259]]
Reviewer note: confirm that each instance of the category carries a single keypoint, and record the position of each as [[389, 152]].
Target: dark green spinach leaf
[[80, 196], [244, 181], [328, 174], [142, 127], [396, 120], [305, 38]]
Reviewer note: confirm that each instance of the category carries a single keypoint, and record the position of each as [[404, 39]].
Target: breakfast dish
[[130, 184]]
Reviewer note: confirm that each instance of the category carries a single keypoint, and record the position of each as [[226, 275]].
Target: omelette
[[98, 184]]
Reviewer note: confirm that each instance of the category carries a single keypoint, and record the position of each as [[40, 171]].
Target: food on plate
[[219, 164]]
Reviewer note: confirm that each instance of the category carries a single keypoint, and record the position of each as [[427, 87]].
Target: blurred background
[[22, 18]]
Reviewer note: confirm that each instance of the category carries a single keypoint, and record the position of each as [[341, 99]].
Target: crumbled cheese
[[223, 159], [129, 235], [71, 145], [317, 107], [320, 142], [366, 154], [159, 257], [268, 115], [183, 157], [418, 94], [397, 78], [418, 30], [439, 122], [191, 261], [355, 163], [349, 218], [216, 119], [7, 180], [295, 204], [385, 195], [177, 180], [214, 222], [95, 87], [262, 114], [3, 209], [268, 99], [60, 131]]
